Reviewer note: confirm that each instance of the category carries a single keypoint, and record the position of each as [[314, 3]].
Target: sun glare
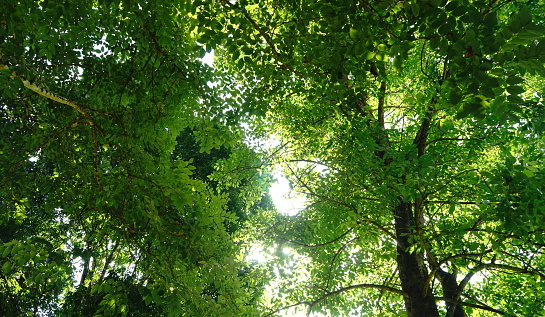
[[285, 200]]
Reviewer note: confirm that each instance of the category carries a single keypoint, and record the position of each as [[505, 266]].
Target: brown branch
[[176, 234], [130, 175], [342, 204], [450, 202], [5, 179], [257, 27], [379, 226], [311, 192], [479, 268], [276, 151], [422, 61], [307, 161], [67, 102], [483, 307], [335, 258], [348, 288], [320, 244], [451, 180], [422, 135], [298, 36], [337, 292], [287, 307], [381, 18], [381, 99], [95, 154], [437, 265], [485, 266]]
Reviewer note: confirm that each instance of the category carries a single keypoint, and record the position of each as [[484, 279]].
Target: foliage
[[100, 219], [409, 127], [128, 185]]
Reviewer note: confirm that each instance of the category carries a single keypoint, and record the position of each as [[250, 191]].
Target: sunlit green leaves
[[469, 69], [375, 103], [107, 170]]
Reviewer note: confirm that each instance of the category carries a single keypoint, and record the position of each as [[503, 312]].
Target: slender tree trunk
[[412, 269], [85, 272]]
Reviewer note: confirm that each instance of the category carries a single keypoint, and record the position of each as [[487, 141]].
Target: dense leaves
[[408, 127], [132, 182], [103, 215]]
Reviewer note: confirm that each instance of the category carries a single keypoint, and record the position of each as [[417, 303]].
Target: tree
[[414, 128], [93, 98]]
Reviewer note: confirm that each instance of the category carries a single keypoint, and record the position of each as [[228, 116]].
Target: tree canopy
[[134, 176]]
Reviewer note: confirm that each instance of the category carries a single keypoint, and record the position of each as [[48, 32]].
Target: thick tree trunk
[[412, 269]]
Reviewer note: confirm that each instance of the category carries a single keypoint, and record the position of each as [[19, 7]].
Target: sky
[[285, 200]]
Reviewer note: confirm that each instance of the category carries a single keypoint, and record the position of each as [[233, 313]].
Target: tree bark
[[450, 290], [412, 269]]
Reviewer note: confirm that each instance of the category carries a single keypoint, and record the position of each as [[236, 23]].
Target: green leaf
[[459, 11], [515, 90], [463, 111], [415, 8], [398, 63], [156, 176], [497, 71], [491, 19], [451, 5], [354, 34], [6, 251], [515, 99], [6, 268], [524, 16], [455, 96], [381, 57], [514, 80], [487, 91]]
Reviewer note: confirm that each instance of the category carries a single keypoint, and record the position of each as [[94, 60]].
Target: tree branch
[[381, 99], [337, 292], [108, 260], [335, 257], [263, 35], [296, 21], [484, 266], [342, 204], [319, 244], [49, 95], [421, 137], [454, 139], [451, 180], [437, 265], [483, 307]]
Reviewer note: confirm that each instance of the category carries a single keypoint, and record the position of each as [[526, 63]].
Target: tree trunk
[[450, 290], [412, 269]]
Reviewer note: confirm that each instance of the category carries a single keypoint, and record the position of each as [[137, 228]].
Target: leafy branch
[[330, 270], [49, 95], [263, 34], [342, 204]]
